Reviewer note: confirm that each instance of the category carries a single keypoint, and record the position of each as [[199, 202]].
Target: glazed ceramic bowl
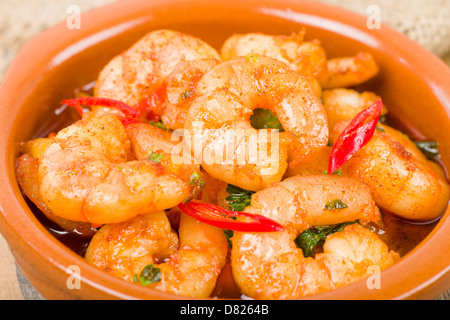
[[414, 83]]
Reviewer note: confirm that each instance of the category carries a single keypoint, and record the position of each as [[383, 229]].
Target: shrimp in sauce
[[161, 68], [88, 174], [401, 179], [271, 266], [188, 264], [122, 183]]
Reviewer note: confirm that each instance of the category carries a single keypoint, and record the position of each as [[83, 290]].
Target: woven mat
[[427, 22]]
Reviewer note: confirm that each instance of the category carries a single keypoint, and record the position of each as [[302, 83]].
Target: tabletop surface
[[21, 20]]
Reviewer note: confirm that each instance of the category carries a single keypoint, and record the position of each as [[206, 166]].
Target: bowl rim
[[21, 227]]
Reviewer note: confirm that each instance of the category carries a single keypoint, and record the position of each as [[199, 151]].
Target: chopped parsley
[[195, 180], [265, 119], [187, 94], [239, 198], [252, 57], [429, 149], [228, 235], [148, 275], [335, 204], [315, 236], [156, 157], [336, 172], [158, 125]]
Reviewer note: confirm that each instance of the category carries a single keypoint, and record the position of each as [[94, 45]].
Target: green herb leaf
[[315, 236], [239, 198], [149, 275], [429, 149], [195, 180], [228, 235], [337, 172], [265, 119], [252, 57], [187, 94], [380, 129], [156, 157], [335, 204], [158, 125]]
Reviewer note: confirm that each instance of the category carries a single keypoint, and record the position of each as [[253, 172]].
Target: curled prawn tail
[[187, 265], [224, 102], [153, 74], [402, 181], [346, 72], [86, 174]]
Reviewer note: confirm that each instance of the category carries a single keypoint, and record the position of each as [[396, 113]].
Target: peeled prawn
[[220, 113], [271, 266], [344, 72], [27, 172], [306, 57], [342, 104], [318, 164], [157, 75], [401, 179], [181, 84], [89, 174], [188, 265], [298, 202]]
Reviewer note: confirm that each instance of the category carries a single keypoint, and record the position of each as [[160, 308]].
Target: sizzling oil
[[400, 235]]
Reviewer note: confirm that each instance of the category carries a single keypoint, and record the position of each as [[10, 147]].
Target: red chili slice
[[221, 218], [130, 115], [355, 136]]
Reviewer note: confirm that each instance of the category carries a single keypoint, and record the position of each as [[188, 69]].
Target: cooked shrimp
[[27, 172], [148, 75], [341, 104], [308, 58], [37, 147], [349, 71], [349, 255], [299, 202], [271, 266], [189, 266], [318, 164], [215, 191], [124, 249], [401, 179], [220, 113], [88, 174], [180, 90]]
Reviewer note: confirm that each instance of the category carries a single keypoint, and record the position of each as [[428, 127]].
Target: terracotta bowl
[[413, 83]]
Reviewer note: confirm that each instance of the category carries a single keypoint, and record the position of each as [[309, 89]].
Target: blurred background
[[426, 22]]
